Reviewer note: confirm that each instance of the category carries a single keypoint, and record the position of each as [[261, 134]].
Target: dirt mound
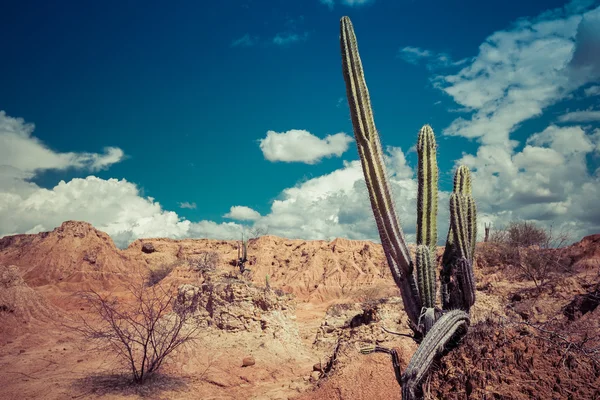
[[515, 362], [20, 304], [75, 255], [585, 253], [315, 270]]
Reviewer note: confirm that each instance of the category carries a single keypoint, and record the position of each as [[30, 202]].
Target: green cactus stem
[[371, 156], [427, 192]]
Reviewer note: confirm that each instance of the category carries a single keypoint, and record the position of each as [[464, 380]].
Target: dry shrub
[[528, 248], [205, 261], [142, 331]]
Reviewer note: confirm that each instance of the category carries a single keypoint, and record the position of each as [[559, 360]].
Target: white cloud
[[302, 146], [186, 204], [26, 154], [433, 60], [413, 54], [357, 3], [547, 182], [580, 116], [287, 38], [337, 204], [242, 213], [349, 3], [245, 41], [519, 72], [114, 206], [592, 91]]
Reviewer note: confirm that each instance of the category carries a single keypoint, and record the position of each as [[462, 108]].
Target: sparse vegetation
[[143, 331], [528, 248], [205, 262]]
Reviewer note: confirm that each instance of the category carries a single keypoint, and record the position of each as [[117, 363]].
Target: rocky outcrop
[[362, 323], [235, 305]]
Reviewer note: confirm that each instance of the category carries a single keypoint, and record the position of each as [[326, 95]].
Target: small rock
[[21, 351], [315, 376], [317, 367], [248, 361], [148, 248]]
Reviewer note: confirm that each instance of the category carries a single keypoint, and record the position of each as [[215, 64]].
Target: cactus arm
[[369, 150], [433, 343], [427, 199], [425, 276], [427, 192]]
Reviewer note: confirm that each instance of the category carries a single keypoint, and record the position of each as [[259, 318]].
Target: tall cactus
[[432, 326]]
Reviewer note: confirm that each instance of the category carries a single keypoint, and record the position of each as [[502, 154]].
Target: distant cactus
[[432, 326], [242, 255]]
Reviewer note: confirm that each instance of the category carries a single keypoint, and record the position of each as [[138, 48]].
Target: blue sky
[[198, 120]]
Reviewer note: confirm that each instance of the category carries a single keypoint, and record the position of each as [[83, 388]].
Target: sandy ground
[[42, 358]]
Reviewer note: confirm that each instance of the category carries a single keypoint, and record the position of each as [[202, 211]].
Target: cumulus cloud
[[25, 153], [337, 204], [519, 72], [114, 206], [302, 146], [580, 116], [186, 204], [242, 213]]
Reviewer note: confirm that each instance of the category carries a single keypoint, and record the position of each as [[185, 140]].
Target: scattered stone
[[148, 248], [318, 367], [248, 361]]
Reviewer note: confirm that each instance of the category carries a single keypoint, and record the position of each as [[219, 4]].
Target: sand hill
[[298, 339]]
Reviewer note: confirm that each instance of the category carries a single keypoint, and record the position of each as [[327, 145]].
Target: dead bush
[[528, 248], [143, 330], [205, 261]]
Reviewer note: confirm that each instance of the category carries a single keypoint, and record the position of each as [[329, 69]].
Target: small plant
[[267, 283], [487, 231], [143, 332], [528, 248], [205, 262], [242, 255], [433, 328], [525, 234]]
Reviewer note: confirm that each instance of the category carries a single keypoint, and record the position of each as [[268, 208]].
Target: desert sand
[[326, 300]]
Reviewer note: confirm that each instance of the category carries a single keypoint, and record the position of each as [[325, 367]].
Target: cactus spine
[[436, 326]]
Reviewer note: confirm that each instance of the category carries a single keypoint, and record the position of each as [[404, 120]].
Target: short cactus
[[242, 255], [432, 326]]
